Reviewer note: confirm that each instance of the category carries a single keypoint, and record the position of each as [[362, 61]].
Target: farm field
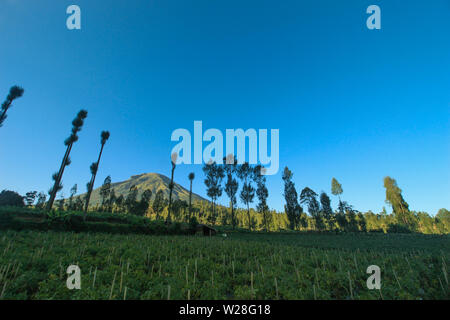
[[240, 266]]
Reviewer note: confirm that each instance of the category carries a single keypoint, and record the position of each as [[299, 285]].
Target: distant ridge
[[152, 181]]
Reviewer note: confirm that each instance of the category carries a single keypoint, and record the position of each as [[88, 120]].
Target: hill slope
[[152, 181]]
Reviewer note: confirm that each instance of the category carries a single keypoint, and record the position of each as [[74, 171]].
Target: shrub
[[11, 198], [397, 228]]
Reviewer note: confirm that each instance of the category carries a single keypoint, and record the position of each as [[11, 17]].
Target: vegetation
[[121, 235], [16, 218], [11, 198], [14, 93], [242, 266], [173, 161], [94, 169], [77, 124]]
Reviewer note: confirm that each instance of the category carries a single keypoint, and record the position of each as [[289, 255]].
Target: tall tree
[[159, 203], [120, 200], [341, 219], [292, 208], [77, 124], [105, 192], [143, 204], [231, 185], [262, 193], [173, 160], [336, 188], [246, 174], [191, 178], [14, 93], [73, 191], [309, 197], [394, 197], [131, 200], [104, 136], [214, 175], [327, 211], [111, 201], [41, 198]]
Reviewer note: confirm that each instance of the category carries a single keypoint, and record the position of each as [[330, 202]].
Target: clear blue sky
[[350, 103]]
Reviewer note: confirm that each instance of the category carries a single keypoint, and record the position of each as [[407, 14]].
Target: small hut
[[206, 230]]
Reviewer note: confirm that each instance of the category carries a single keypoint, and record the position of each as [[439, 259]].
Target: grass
[[241, 266]]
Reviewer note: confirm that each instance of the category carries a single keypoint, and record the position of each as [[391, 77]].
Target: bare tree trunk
[[170, 195], [190, 201], [91, 183], [59, 177], [249, 220]]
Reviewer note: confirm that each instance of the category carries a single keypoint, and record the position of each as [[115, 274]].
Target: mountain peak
[[147, 181]]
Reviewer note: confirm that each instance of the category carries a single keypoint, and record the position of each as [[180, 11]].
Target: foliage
[[14, 93], [11, 198], [241, 266]]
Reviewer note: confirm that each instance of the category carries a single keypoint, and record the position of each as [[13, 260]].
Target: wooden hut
[[206, 230]]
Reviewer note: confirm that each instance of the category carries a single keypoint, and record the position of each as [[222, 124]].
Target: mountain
[[152, 181]]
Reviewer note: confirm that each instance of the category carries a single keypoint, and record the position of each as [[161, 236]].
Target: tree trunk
[[213, 213], [170, 195], [233, 222], [249, 220], [6, 109], [190, 201], [91, 184], [59, 177]]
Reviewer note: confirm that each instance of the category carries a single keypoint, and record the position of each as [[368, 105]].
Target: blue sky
[[350, 103]]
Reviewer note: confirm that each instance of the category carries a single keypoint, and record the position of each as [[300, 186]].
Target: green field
[[240, 266]]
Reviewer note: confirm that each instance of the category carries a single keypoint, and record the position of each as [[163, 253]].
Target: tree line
[[305, 211]]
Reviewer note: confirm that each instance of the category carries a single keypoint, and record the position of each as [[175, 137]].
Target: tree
[[362, 222], [120, 202], [214, 175], [111, 201], [11, 198], [395, 199], [173, 160], [336, 188], [142, 206], [131, 200], [262, 193], [178, 209], [77, 124], [41, 198], [14, 93], [159, 203], [104, 136], [327, 212], [309, 197], [340, 216], [231, 185], [191, 178], [443, 216], [61, 203], [30, 198], [292, 208], [246, 173], [73, 191], [78, 204], [105, 192], [346, 217]]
